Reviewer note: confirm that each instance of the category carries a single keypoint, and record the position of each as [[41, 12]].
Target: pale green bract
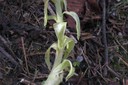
[[47, 55], [63, 46], [65, 64], [56, 75], [73, 14], [60, 30], [76, 18], [45, 12], [69, 45]]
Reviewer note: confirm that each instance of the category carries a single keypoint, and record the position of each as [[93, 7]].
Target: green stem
[[54, 78], [59, 12], [58, 58]]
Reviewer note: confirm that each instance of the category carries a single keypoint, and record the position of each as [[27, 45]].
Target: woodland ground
[[24, 41]]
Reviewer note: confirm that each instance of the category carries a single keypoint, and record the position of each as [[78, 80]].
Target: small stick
[[24, 52], [7, 56], [26, 82], [104, 36]]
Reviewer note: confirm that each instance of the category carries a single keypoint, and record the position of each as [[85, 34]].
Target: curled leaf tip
[[77, 20]]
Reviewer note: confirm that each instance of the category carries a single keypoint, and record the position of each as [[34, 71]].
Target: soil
[[24, 41]]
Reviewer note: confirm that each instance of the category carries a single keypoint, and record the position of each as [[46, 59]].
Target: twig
[[7, 56], [26, 82], [113, 72], [6, 45], [104, 36], [82, 76], [24, 52], [121, 45], [122, 59]]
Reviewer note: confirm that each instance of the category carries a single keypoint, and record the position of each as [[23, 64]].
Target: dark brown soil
[[24, 41]]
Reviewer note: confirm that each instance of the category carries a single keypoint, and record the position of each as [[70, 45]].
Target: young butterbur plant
[[64, 44]]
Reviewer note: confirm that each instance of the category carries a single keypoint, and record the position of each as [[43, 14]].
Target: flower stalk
[[63, 46]]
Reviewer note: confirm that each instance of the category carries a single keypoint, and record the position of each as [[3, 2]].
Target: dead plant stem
[[104, 36], [24, 52]]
